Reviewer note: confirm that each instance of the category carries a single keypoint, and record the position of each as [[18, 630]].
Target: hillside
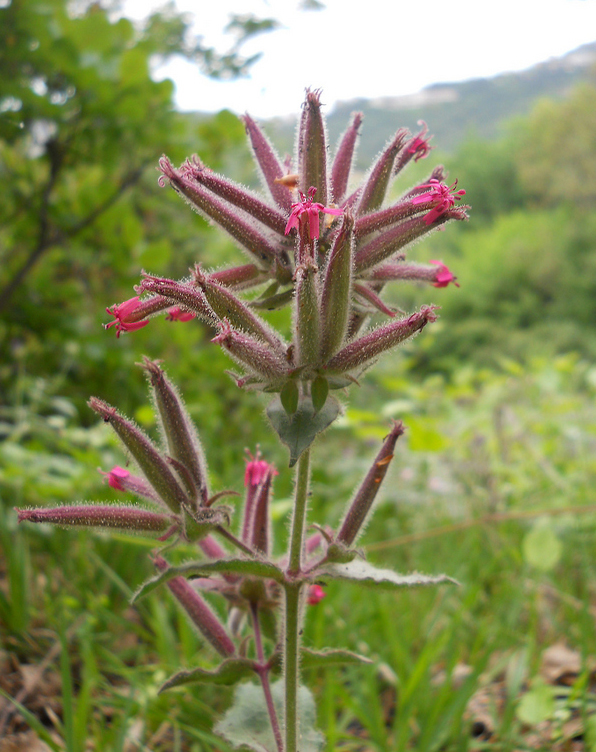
[[455, 110]]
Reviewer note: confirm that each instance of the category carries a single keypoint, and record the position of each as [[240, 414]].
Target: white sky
[[372, 48]]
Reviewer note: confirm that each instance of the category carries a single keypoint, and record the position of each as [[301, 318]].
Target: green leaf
[[329, 657], [367, 574], [228, 672], [321, 658], [537, 705], [34, 723], [289, 397], [542, 549], [319, 392], [243, 567], [246, 723], [298, 431]]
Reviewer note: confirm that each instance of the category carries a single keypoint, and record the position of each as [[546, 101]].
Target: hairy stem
[[291, 626], [234, 541], [299, 518], [264, 677]]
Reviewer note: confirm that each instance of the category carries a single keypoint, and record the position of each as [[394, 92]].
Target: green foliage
[[299, 428], [247, 723], [82, 124], [556, 150], [518, 446], [528, 286]]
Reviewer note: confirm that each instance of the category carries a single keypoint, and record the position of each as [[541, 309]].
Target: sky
[[371, 48]]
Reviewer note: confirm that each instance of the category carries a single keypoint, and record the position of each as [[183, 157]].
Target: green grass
[[490, 461]]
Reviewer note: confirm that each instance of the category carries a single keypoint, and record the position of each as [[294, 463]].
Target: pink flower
[[175, 313], [125, 318], [115, 476], [256, 469], [443, 276], [315, 595], [311, 209], [442, 194], [419, 145]]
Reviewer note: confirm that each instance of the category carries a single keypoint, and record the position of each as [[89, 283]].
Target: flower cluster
[[177, 505], [330, 259]]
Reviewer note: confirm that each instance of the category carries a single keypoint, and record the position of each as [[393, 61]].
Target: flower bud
[[148, 458], [342, 162], [200, 613], [336, 294], [235, 222], [228, 306], [308, 324], [312, 147], [123, 480], [361, 504], [106, 516], [359, 352], [252, 353], [271, 168], [375, 188], [178, 429]]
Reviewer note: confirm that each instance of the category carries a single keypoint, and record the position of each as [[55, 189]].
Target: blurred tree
[[81, 123], [489, 173], [82, 119], [555, 150]]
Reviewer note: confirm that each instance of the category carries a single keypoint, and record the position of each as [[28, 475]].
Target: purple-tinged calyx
[[234, 221], [386, 244], [259, 534], [370, 296], [342, 163], [360, 352], [100, 516], [153, 465], [236, 195], [239, 277], [361, 504], [375, 188], [267, 159], [199, 612], [179, 432], [229, 306], [254, 354], [336, 291], [312, 147], [182, 293], [438, 277]]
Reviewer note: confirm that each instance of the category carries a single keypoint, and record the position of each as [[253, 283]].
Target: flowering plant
[[330, 260]]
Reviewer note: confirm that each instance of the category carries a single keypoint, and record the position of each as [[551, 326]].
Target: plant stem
[[232, 538], [299, 518], [291, 638], [264, 677]]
